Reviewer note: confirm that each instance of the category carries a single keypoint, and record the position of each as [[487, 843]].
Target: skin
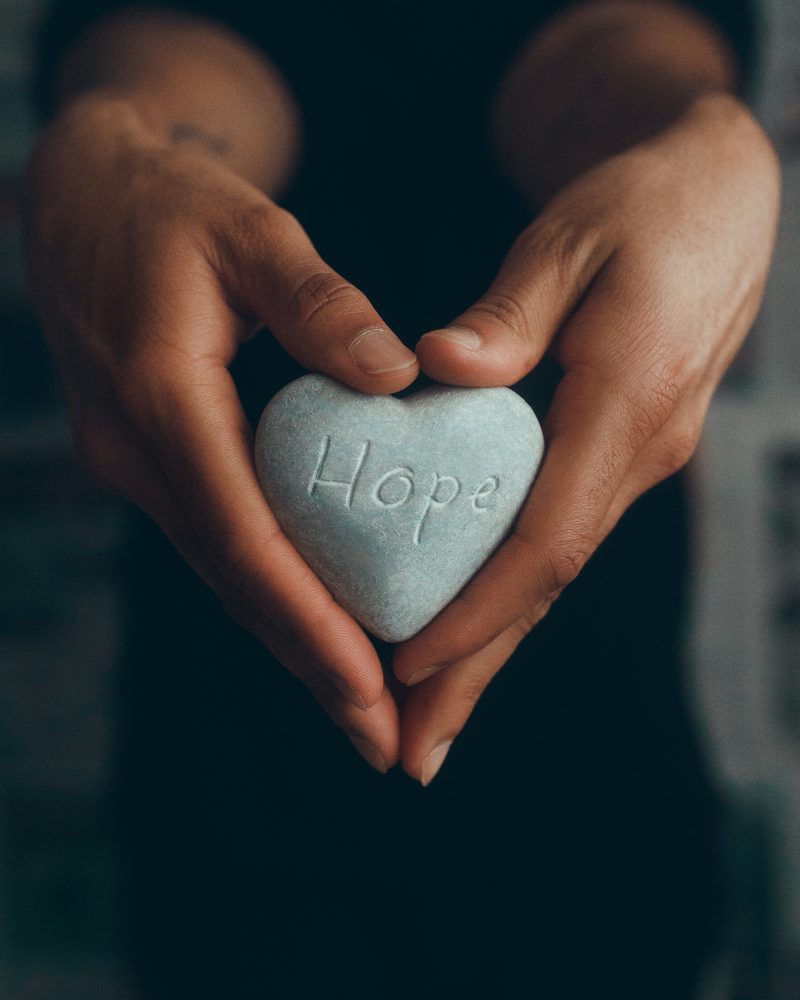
[[641, 276], [155, 247]]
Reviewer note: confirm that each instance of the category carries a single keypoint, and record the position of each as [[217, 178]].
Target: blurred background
[[60, 613]]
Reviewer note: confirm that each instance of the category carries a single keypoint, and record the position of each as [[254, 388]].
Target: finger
[[260, 574], [178, 396], [270, 267], [437, 710], [111, 454], [668, 452], [595, 429], [183, 403], [500, 338], [191, 418], [374, 733]]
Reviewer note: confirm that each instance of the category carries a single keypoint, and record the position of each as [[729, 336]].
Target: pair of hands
[[150, 265]]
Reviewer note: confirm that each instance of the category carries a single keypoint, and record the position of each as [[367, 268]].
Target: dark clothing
[[566, 849]]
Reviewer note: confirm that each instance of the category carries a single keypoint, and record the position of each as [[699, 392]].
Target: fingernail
[[376, 351], [370, 753], [352, 696], [434, 760], [460, 335], [420, 675]]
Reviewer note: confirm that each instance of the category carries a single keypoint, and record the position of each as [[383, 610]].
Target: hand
[[150, 265], [642, 278]]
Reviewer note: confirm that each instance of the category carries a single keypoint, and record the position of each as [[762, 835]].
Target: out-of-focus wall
[[59, 620], [746, 643]]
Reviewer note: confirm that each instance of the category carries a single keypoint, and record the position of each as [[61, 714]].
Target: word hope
[[397, 487]]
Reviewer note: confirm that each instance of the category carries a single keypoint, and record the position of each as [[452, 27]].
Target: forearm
[[190, 82], [598, 79]]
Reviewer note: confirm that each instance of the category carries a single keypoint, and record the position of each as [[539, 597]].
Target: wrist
[[602, 78], [98, 125], [193, 84], [726, 131]]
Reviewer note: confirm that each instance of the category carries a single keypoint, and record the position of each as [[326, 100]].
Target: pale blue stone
[[396, 503]]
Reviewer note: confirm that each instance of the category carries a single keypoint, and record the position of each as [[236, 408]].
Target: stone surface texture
[[396, 503]]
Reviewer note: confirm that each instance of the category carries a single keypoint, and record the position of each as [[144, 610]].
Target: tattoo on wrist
[[183, 132]]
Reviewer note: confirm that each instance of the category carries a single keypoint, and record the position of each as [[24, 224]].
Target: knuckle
[[257, 221], [564, 561], [569, 248], [530, 619], [557, 567], [522, 626], [680, 446], [562, 242], [318, 292], [505, 307], [278, 220], [248, 233]]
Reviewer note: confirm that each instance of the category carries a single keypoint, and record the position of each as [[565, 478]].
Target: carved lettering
[[398, 488], [483, 492], [382, 491], [435, 501], [317, 480]]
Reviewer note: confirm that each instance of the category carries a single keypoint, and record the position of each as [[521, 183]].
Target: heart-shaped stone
[[396, 503]]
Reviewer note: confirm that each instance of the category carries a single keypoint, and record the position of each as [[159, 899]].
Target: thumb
[[500, 338], [273, 271]]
